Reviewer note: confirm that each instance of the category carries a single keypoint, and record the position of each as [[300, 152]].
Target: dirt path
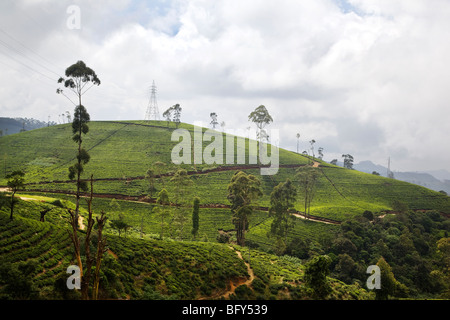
[[301, 216], [189, 172], [145, 199], [234, 285]]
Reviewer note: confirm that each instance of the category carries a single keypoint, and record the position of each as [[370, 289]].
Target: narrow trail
[[234, 284], [241, 282], [189, 172], [146, 200]]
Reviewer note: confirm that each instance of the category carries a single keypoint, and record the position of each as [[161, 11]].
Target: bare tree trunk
[[12, 205], [101, 244], [76, 241], [89, 259], [43, 213]]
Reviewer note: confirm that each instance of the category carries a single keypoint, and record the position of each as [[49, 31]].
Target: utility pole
[[390, 174]]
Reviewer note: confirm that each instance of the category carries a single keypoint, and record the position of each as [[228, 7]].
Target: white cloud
[[369, 78]]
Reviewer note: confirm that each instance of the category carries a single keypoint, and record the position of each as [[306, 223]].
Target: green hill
[[122, 152], [34, 256]]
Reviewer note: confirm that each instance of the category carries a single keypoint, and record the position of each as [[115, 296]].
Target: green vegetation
[[161, 244], [407, 242]]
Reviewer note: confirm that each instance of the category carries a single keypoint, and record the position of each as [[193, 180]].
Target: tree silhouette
[[214, 121], [16, 182]]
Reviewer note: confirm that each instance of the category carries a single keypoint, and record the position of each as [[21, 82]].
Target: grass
[[135, 268], [123, 151], [143, 268]]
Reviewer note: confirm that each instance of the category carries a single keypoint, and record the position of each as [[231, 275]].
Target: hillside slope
[[34, 257], [143, 266], [122, 152]]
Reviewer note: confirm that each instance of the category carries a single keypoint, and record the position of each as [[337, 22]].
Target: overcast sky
[[370, 78]]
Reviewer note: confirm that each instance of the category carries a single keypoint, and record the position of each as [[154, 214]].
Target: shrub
[[368, 215], [223, 238], [316, 274], [258, 285]]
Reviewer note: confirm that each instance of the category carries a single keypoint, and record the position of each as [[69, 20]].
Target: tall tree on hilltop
[[348, 161], [243, 190], [320, 151], [168, 115], [214, 121], [312, 147], [261, 117], [177, 114], [79, 79]]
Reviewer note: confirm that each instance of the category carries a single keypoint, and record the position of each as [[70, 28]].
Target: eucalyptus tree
[[79, 79], [348, 161], [182, 189], [282, 201], [168, 115], [243, 190], [214, 121], [260, 117], [307, 179], [320, 151], [312, 147], [177, 114]]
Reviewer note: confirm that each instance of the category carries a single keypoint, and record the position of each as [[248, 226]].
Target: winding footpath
[[233, 284], [241, 282]]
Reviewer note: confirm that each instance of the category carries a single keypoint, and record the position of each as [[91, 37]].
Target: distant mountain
[[370, 167], [15, 125], [439, 174], [436, 180]]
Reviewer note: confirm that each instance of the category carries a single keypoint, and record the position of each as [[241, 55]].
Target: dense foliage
[[400, 226], [408, 241]]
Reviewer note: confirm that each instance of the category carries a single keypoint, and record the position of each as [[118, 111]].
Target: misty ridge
[[437, 180], [16, 125]]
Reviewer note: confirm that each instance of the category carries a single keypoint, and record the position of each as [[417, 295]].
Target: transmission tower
[[152, 108]]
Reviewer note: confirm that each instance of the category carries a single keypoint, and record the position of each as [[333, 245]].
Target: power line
[[21, 52], [29, 67]]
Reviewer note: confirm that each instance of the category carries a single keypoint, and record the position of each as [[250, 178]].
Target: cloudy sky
[[370, 78]]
